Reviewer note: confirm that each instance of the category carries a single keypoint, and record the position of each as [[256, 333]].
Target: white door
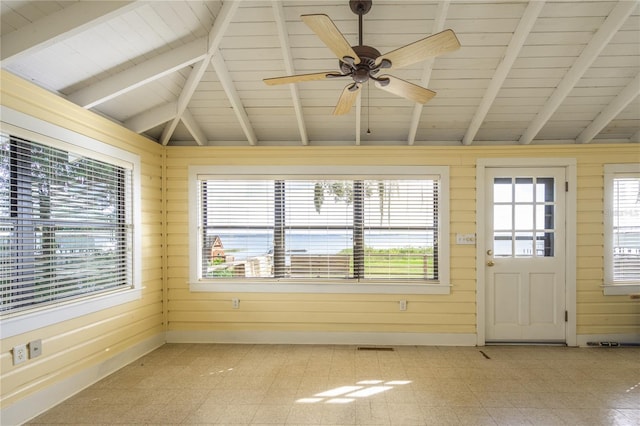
[[525, 255]]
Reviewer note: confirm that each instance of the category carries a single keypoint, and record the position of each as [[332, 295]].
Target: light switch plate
[[469, 239]]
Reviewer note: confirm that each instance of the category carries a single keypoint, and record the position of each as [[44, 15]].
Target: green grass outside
[[408, 262]]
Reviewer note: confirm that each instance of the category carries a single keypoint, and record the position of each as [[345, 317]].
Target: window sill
[[329, 286], [621, 289], [25, 321]]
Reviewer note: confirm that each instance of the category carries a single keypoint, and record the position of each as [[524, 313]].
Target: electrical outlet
[[235, 303], [19, 354], [403, 305], [35, 348]]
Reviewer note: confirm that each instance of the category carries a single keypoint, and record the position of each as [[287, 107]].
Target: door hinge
[[566, 187], [566, 316]]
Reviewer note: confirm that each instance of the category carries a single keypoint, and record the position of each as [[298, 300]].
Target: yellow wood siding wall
[[73, 346], [598, 314], [454, 313]]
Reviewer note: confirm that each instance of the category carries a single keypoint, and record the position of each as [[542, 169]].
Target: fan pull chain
[[368, 109]]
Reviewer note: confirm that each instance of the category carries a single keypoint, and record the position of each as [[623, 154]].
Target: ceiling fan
[[362, 62]]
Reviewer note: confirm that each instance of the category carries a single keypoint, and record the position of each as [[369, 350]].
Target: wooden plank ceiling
[[190, 72]]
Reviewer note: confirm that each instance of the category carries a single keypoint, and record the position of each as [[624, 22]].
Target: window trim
[[442, 286], [40, 131], [611, 171]]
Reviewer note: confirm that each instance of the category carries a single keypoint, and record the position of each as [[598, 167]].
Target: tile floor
[[341, 385]]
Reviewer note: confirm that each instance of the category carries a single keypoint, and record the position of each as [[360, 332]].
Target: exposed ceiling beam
[[521, 33], [151, 118], [192, 125], [234, 98], [598, 42], [283, 35], [624, 98], [186, 94], [141, 74], [215, 37], [438, 26], [59, 26]]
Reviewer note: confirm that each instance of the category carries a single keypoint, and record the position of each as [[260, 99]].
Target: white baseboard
[[322, 338], [41, 401], [584, 339]]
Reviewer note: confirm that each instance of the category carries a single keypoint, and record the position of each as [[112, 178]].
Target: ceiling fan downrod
[[360, 8]]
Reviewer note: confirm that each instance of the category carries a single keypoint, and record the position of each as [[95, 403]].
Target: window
[[622, 229], [310, 228], [524, 211], [66, 225]]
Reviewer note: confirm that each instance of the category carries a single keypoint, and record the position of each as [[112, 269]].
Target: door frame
[[570, 166]]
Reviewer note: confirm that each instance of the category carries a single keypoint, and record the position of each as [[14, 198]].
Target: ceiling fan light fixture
[[383, 82], [385, 63]]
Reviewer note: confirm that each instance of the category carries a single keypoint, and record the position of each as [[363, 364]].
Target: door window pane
[[502, 217], [540, 216], [544, 244], [545, 190], [524, 244], [524, 217], [549, 217], [502, 190], [502, 244], [524, 190], [544, 216]]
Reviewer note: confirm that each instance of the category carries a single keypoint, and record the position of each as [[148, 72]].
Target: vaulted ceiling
[[190, 72]]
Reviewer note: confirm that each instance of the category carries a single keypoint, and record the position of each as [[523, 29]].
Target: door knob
[[490, 263]]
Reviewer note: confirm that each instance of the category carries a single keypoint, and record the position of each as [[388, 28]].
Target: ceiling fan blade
[[347, 98], [330, 35], [298, 78], [434, 45], [405, 89]]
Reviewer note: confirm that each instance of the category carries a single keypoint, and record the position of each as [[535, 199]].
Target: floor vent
[[374, 348]]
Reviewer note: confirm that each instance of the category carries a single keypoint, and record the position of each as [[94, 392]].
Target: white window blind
[[625, 229], [65, 225], [351, 229]]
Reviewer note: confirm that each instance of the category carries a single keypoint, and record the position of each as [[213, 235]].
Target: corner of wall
[[41, 401]]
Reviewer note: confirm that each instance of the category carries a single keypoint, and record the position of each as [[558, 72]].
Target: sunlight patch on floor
[[347, 394]]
